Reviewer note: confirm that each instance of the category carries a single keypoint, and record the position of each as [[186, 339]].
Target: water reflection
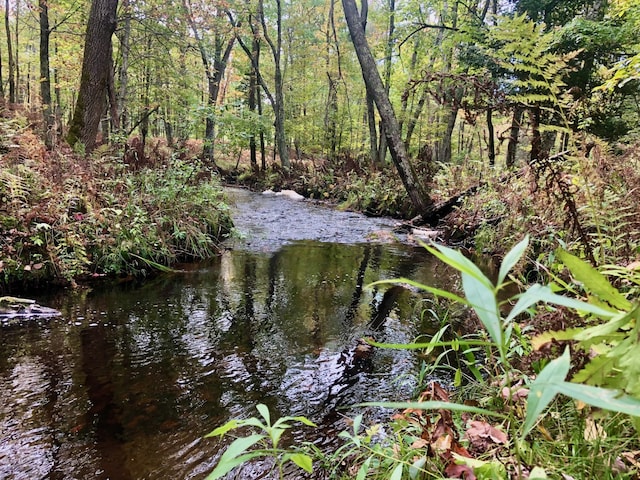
[[126, 384]]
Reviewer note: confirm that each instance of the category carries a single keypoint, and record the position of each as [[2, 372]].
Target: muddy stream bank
[[129, 380]]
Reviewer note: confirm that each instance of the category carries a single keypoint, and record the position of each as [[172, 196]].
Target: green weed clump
[[65, 218]]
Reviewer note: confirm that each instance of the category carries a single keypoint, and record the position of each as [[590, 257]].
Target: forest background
[[490, 119], [533, 101]]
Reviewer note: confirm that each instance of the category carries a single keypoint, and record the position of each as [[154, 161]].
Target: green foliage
[[107, 220], [614, 390], [268, 438], [613, 338]]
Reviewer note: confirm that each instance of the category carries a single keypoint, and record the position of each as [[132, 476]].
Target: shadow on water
[[126, 384]]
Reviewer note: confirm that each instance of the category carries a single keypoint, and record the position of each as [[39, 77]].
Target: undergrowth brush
[[65, 217]]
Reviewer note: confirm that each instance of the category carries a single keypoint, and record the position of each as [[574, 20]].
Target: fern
[[15, 188]]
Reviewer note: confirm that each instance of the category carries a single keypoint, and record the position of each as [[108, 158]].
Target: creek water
[[129, 380]]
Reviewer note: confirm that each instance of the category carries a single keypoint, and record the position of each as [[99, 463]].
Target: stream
[[129, 380]]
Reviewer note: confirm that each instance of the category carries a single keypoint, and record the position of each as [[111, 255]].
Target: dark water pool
[[128, 381]]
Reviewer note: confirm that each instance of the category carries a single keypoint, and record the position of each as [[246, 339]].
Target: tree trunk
[[491, 144], [415, 190], [371, 112], [214, 72], [123, 77], [331, 110], [16, 52], [12, 64], [276, 50], [96, 69], [45, 75], [514, 133], [382, 147], [253, 98], [536, 138]]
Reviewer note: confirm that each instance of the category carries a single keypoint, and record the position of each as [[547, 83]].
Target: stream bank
[[126, 383]]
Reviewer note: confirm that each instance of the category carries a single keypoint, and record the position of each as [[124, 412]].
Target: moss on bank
[[64, 217]]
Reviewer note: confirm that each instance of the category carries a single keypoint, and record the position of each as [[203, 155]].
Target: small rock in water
[[290, 194], [268, 192], [424, 234]]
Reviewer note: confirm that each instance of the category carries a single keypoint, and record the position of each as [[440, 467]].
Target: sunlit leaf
[[397, 472], [235, 455], [511, 259], [461, 263], [435, 291], [264, 412], [594, 282], [483, 301], [543, 389], [221, 430], [538, 473], [605, 398], [303, 461]]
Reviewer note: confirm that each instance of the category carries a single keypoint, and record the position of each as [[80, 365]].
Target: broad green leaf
[[433, 405], [364, 469], [303, 461], [543, 389], [609, 328], [605, 398], [223, 468], [578, 305], [527, 299], [545, 337], [356, 424], [264, 411], [596, 371], [397, 472], [594, 281], [304, 420], [221, 430], [512, 258], [483, 301], [235, 455], [458, 261], [275, 434], [435, 291], [416, 467]]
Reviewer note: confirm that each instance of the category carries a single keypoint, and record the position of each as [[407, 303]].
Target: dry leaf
[[442, 444], [593, 431], [419, 443], [483, 436]]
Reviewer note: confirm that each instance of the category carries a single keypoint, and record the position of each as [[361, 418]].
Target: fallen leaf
[[442, 444], [419, 443], [483, 436], [593, 431]]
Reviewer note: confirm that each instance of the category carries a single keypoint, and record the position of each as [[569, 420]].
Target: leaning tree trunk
[[418, 195], [96, 70]]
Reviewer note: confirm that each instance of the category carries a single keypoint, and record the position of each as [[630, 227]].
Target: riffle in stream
[[129, 380]]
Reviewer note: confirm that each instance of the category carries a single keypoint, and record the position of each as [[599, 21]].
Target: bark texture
[[417, 194], [96, 72]]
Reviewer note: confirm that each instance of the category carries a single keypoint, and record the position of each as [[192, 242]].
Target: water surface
[[128, 381]]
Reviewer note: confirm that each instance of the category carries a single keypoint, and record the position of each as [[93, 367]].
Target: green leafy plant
[[267, 440], [482, 295]]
